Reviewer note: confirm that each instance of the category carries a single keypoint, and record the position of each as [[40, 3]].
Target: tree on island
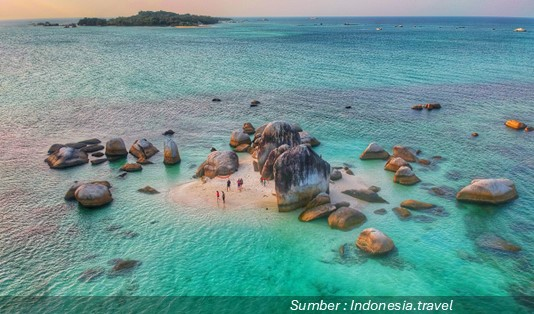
[[154, 18]]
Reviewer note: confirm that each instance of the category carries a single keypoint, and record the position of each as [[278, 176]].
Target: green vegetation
[[153, 18]]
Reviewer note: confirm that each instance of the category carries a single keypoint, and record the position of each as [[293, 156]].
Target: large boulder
[[274, 135], [307, 138], [171, 156], [69, 196], [248, 128], [268, 172], [66, 157], [346, 218], [317, 212], [394, 164], [239, 137], [406, 153], [514, 124], [115, 148], [93, 195], [367, 195], [374, 151], [143, 149], [492, 191], [405, 176], [219, 163], [374, 242], [299, 174]]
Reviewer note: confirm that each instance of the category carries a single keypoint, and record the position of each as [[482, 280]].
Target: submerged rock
[[416, 205], [338, 205], [239, 137], [143, 149], [299, 174], [76, 145], [381, 211], [93, 195], [171, 155], [374, 241], [492, 191], [405, 176], [218, 163], [66, 157], [316, 212], [91, 274], [131, 167], [148, 190], [374, 151], [395, 163], [494, 242], [423, 219], [404, 152], [365, 195], [346, 218], [274, 135], [514, 124], [306, 138], [123, 266], [116, 148]]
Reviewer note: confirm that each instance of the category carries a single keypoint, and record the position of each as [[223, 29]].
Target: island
[[154, 18]]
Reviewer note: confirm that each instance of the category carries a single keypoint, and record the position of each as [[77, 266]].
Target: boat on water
[[379, 28], [520, 30]]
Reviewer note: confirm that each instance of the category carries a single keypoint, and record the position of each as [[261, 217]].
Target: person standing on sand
[[228, 183], [217, 196], [223, 197]]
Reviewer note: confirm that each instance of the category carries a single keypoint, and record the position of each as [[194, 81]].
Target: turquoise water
[[64, 85]]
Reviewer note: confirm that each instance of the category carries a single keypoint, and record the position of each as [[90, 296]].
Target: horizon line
[[282, 16]]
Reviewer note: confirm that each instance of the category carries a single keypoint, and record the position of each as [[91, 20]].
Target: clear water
[[63, 85]]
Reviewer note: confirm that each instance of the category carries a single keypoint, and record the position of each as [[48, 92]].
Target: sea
[[60, 85]]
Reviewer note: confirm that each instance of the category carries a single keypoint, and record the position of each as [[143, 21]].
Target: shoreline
[[201, 193]]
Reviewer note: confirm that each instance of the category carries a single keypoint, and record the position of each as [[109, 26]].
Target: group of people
[[219, 195], [228, 185], [263, 181]]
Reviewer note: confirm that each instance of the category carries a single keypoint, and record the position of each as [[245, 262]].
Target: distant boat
[[398, 25], [520, 30], [379, 28]]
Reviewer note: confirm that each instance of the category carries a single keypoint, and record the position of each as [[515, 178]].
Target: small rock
[[213, 149], [239, 137], [395, 163], [529, 129], [432, 106], [514, 124], [248, 128], [97, 154], [254, 103], [148, 190], [404, 152], [76, 145], [98, 161], [417, 107], [122, 175], [365, 195], [374, 242], [346, 218], [92, 148], [381, 211], [424, 162], [341, 204], [316, 212], [349, 172], [243, 148], [131, 167], [216, 100], [374, 151], [168, 132], [405, 176], [402, 213], [416, 205], [92, 141], [335, 175], [474, 134]]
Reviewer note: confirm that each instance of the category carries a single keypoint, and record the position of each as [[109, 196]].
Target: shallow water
[[64, 85]]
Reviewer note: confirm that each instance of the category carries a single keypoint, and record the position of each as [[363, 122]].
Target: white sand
[[253, 195]]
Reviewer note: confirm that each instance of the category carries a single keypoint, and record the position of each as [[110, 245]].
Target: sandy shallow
[[253, 195]]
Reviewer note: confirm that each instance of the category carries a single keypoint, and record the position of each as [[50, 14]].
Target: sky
[[22, 9]]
